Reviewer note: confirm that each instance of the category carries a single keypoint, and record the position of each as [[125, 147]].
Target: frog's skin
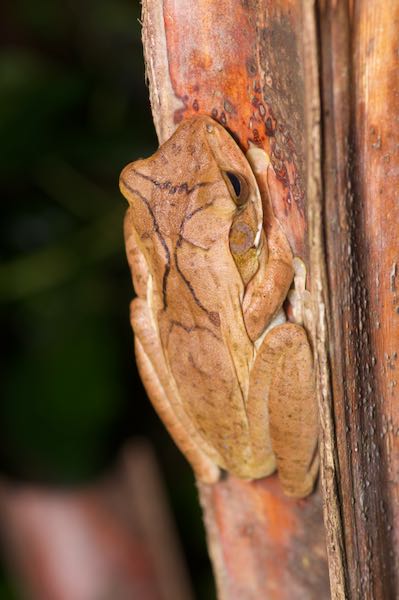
[[231, 380]]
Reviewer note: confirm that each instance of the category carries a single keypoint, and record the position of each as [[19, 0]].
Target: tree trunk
[[258, 67], [360, 81]]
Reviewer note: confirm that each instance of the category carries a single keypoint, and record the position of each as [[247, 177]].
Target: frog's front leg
[[164, 396], [282, 401], [268, 289]]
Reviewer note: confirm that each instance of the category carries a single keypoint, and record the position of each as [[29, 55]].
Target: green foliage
[[73, 111]]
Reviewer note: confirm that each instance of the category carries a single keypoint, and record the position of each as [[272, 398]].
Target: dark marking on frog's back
[[212, 316], [170, 187], [138, 194], [192, 328]]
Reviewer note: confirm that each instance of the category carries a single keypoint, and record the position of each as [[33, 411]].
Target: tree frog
[[231, 379]]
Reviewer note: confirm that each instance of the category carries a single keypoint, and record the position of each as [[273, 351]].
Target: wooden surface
[[243, 64], [243, 67], [360, 76]]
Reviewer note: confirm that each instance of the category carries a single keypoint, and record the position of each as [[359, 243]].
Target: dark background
[[74, 110]]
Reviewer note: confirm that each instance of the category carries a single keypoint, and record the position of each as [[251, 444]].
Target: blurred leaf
[[61, 397], [56, 264], [34, 94], [71, 189], [7, 592]]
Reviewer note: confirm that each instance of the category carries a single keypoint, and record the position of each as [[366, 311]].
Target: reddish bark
[[242, 63], [361, 171]]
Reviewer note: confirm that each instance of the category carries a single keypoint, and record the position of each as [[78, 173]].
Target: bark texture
[[360, 82], [245, 64], [316, 83]]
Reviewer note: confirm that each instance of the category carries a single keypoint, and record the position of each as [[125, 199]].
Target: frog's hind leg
[[285, 355], [160, 389]]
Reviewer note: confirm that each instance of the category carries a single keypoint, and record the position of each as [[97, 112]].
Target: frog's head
[[238, 187], [199, 185]]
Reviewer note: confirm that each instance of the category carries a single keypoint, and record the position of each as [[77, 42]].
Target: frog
[[230, 377]]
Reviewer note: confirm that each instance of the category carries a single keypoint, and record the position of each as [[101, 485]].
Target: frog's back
[[183, 212], [207, 349]]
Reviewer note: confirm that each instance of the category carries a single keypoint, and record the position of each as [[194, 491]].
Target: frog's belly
[[214, 397]]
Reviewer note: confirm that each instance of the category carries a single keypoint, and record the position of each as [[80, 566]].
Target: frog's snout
[[125, 179]]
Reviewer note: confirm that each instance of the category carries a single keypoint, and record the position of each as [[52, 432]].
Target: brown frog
[[232, 380]]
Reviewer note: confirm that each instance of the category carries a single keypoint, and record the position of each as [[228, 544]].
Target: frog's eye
[[238, 187]]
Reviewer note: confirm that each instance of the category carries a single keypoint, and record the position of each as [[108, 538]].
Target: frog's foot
[[258, 159], [256, 469], [299, 297], [302, 489]]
